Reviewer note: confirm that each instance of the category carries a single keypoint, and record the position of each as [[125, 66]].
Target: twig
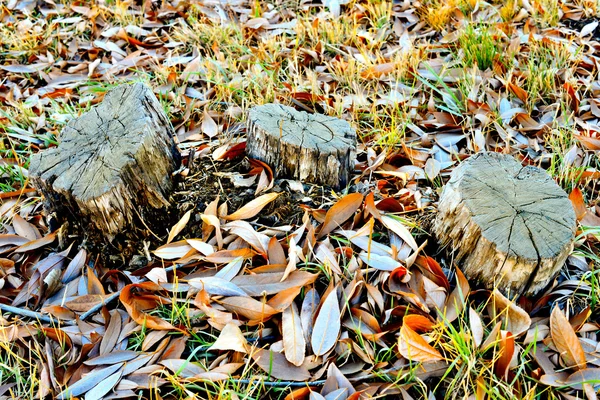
[[277, 383], [113, 296], [50, 320], [28, 313]]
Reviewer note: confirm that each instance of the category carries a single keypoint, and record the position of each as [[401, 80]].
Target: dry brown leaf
[[111, 336], [173, 251], [414, 348], [209, 126], [252, 208], [85, 302], [230, 338], [135, 307], [248, 307], [378, 70], [516, 320], [327, 325], [24, 228], [506, 348], [399, 229], [476, 326], [566, 341], [178, 227], [455, 303], [340, 212], [294, 345], [276, 365], [270, 283], [418, 323]]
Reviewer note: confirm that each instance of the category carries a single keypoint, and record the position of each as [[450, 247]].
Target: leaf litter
[[258, 279]]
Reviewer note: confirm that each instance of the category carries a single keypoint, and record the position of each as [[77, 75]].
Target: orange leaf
[[517, 91], [418, 323], [506, 349], [566, 341], [576, 198], [133, 307], [414, 348], [253, 207], [378, 70], [340, 212]]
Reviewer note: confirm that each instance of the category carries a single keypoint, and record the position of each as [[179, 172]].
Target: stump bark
[[512, 226], [312, 148], [113, 164]]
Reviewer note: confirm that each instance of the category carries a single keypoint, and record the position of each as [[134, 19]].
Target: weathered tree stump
[[313, 148], [112, 164], [512, 226]]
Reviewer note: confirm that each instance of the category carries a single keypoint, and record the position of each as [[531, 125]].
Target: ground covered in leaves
[[270, 288]]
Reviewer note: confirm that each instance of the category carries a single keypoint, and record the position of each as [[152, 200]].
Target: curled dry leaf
[[252, 208], [399, 229], [414, 348], [134, 307], [455, 303], [506, 348], [516, 320], [566, 341], [230, 338], [476, 326]]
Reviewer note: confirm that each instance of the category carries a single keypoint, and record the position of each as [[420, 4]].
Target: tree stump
[[512, 226], [113, 164], [313, 148]]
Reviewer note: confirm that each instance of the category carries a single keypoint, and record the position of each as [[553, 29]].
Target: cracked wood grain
[[112, 163], [312, 148], [511, 226]]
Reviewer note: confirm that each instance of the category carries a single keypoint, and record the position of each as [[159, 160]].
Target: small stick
[[50, 320], [277, 383], [28, 313]]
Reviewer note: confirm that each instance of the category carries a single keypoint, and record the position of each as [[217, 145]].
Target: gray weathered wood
[[310, 147], [112, 164], [512, 226]]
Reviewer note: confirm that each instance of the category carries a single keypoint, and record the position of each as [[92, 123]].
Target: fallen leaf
[[178, 227], [88, 382], [209, 126], [252, 208], [276, 365], [506, 349], [327, 325], [293, 336], [414, 348], [566, 341], [248, 307], [217, 286], [230, 338], [516, 320], [340, 212], [399, 229]]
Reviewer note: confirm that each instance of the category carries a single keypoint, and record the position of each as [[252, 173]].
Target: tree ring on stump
[[112, 163], [313, 148], [511, 225]]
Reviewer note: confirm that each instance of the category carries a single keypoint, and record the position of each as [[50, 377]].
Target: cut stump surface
[[112, 164], [312, 148], [512, 226]]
